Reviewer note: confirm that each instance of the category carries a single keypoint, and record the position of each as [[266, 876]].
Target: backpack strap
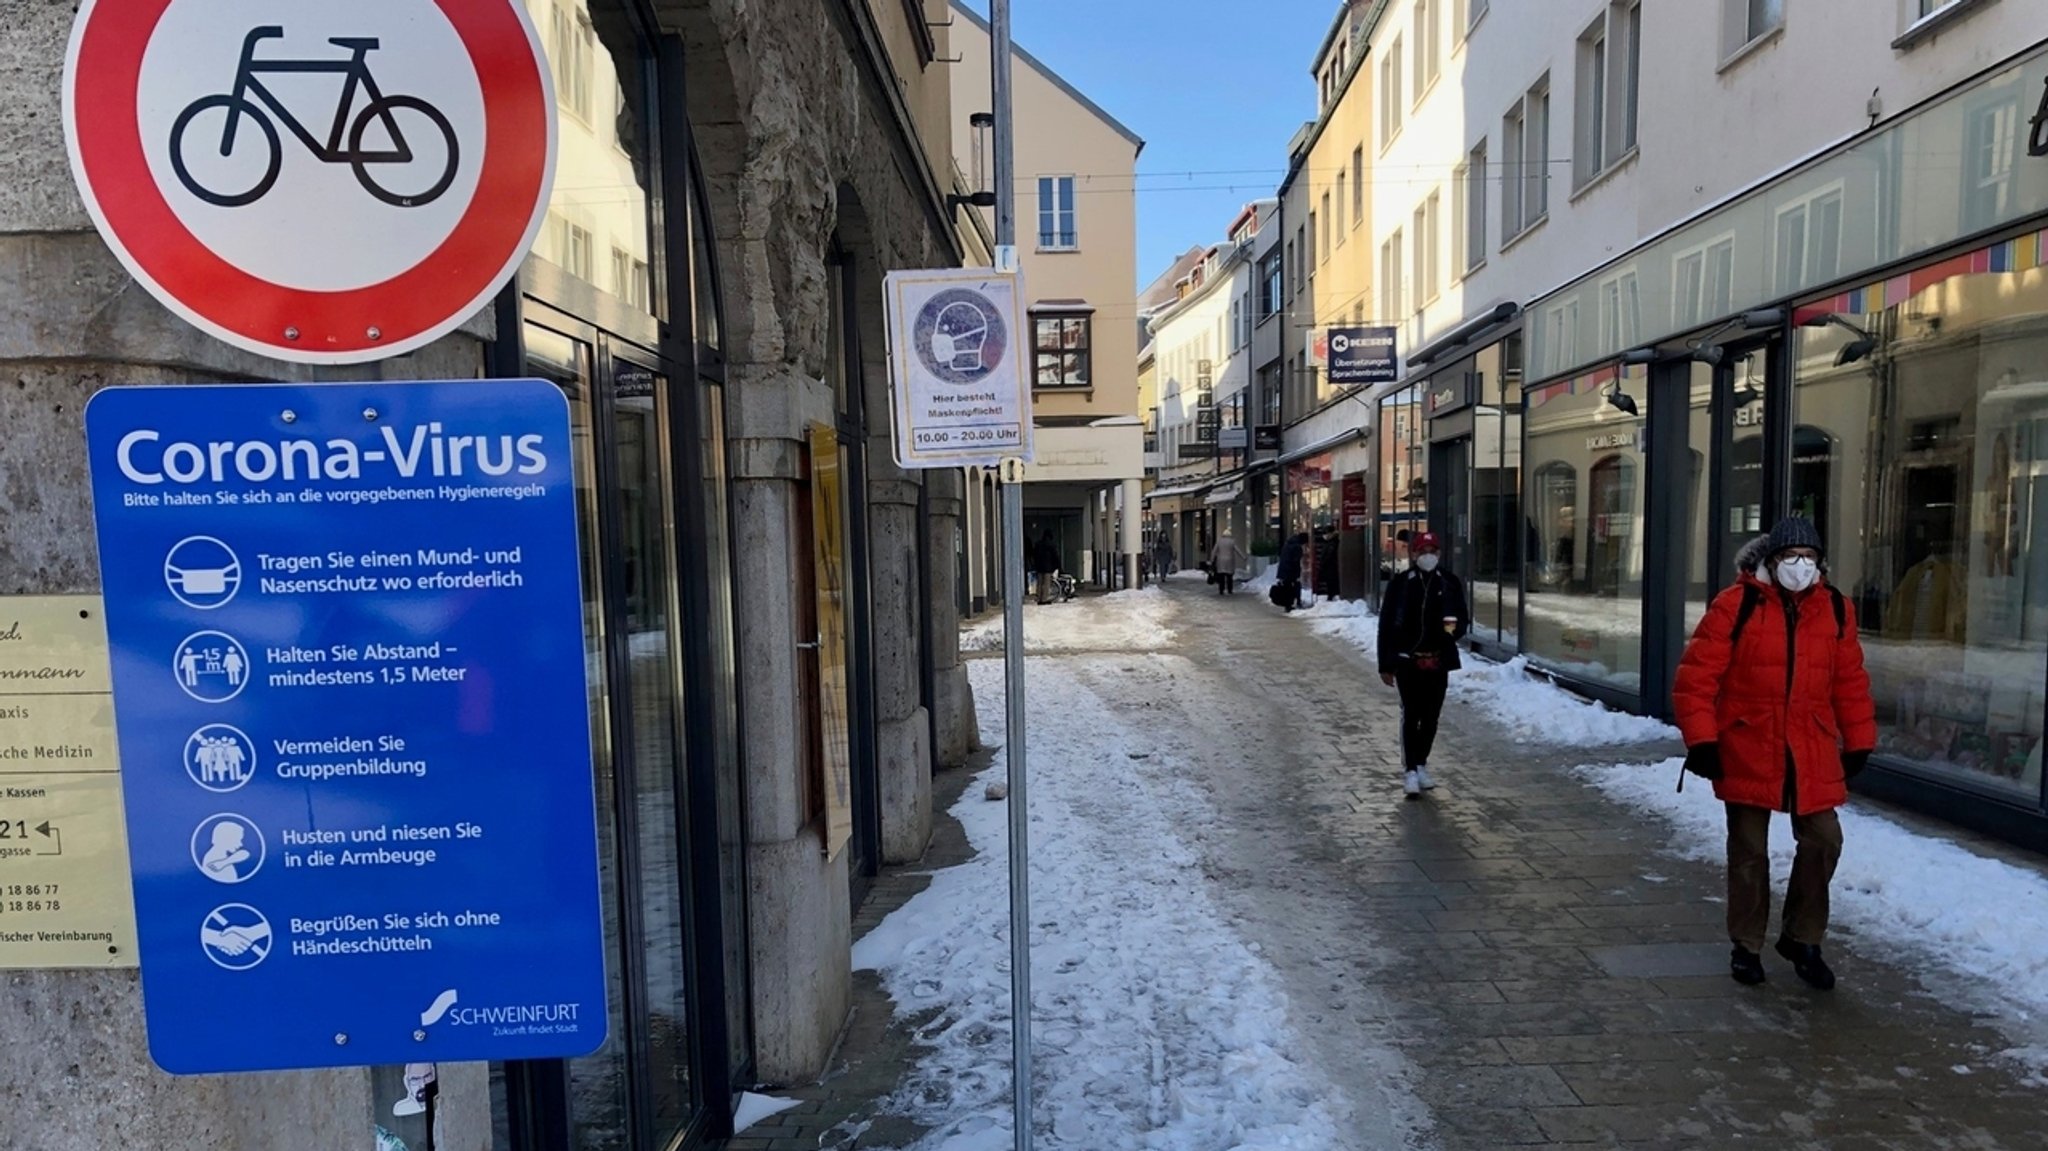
[[1750, 598]]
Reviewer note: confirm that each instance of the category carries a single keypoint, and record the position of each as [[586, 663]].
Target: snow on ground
[[1533, 710], [1538, 711], [1157, 1026], [1962, 914], [1119, 621]]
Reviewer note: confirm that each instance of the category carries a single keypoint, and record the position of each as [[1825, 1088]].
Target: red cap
[[1425, 542]]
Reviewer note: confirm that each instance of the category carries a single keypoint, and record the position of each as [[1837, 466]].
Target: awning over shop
[[1177, 491], [1319, 447], [1227, 494]]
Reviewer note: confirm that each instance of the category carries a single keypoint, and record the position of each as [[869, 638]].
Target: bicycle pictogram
[[250, 97]]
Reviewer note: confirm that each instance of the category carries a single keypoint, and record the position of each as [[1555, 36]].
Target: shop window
[[1582, 607], [1922, 451]]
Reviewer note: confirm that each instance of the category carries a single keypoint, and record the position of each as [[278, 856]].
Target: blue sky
[[1215, 87]]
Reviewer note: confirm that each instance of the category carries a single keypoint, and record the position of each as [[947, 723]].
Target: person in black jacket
[[1422, 618], [1287, 581], [1045, 564]]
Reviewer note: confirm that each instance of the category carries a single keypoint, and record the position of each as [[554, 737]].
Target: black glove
[[1853, 762], [1704, 760]]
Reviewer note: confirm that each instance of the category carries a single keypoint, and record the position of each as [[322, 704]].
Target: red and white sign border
[[331, 327]]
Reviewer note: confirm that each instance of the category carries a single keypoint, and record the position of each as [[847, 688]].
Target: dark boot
[[1746, 966], [1806, 960]]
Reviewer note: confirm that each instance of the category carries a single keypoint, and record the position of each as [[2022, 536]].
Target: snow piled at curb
[[1533, 709], [1156, 1025], [1120, 621], [1980, 918]]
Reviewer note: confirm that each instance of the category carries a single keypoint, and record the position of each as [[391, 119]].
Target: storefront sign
[[349, 667], [1449, 393], [64, 895], [1198, 451], [1609, 440], [1357, 509], [1363, 356], [339, 233], [1266, 437], [1233, 439], [959, 365]]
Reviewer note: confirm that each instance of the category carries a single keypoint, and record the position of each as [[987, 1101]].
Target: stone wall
[[801, 146], [77, 1073]]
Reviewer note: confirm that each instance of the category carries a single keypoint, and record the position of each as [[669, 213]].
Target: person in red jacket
[[1774, 704]]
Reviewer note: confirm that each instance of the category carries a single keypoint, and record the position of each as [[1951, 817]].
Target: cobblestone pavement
[[1551, 978]]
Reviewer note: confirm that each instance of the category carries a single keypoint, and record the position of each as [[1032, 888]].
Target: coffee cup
[[1450, 625]]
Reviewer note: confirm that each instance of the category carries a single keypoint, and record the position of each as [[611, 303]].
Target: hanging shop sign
[[1266, 437], [348, 220], [1363, 356], [349, 678], [959, 367], [1233, 439], [64, 893]]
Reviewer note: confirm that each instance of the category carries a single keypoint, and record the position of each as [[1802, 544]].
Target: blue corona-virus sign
[[350, 689]]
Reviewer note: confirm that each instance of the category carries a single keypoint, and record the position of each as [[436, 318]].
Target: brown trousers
[[1749, 875]]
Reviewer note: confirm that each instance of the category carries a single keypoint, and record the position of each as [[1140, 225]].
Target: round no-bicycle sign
[[318, 182]]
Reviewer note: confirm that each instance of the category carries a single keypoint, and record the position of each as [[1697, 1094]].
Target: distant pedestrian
[[1045, 564], [1421, 621], [1226, 560], [1162, 555], [1287, 577], [1774, 703]]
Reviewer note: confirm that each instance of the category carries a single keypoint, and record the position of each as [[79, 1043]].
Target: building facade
[[1077, 244], [1331, 278], [733, 184], [1646, 320], [1203, 341]]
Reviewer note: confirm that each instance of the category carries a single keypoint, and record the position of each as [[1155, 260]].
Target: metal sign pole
[[1012, 476]]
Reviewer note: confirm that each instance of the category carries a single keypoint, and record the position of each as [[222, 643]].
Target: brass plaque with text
[[65, 899]]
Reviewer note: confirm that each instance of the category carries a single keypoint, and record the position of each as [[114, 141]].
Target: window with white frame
[[1428, 238], [1392, 268], [1392, 98], [1460, 206], [1744, 22], [1428, 58], [1300, 258], [1337, 218], [1609, 63], [1809, 240], [1290, 272], [1270, 276], [1320, 237], [1358, 185], [1993, 142], [1056, 231], [573, 248], [1525, 162], [629, 278], [1621, 310], [1702, 281], [1590, 153], [1473, 221], [573, 47]]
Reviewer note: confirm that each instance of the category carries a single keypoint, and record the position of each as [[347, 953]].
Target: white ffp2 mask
[[1427, 562], [1796, 574]]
